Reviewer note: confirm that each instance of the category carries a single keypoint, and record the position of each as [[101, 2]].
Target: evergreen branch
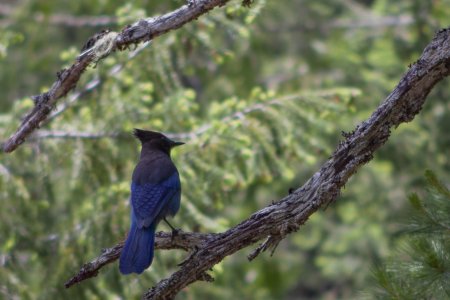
[[374, 23], [380, 22], [236, 115], [92, 85], [240, 115], [420, 270], [59, 134], [99, 47], [77, 21]]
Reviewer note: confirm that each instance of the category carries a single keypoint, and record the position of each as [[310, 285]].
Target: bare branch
[[141, 31], [76, 21], [277, 220], [59, 134], [182, 240], [60, 19], [323, 188]]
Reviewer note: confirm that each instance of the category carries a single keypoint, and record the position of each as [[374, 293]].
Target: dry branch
[[182, 240], [275, 221], [286, 216], [58, 19], [141, 31]]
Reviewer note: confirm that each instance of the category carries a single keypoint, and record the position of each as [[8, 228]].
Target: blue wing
[[151, 202]]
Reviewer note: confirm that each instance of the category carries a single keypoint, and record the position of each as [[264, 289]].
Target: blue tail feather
[[137, 253]]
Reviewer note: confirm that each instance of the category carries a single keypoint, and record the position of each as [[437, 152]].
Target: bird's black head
[[155, 140]]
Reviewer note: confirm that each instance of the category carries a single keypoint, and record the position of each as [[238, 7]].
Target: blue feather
[[150, 203], [137, 254]]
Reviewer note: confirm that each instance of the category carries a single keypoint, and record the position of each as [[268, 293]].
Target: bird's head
[[155, 140]]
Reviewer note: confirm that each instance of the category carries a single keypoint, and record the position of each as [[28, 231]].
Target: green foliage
[[8, 38], [259, 94], [422, 269]]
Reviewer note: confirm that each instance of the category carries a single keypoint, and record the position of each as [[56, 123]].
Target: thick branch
[[287, 215], [141, 31], [275, 221]]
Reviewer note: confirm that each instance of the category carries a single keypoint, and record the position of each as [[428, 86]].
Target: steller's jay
[[155, 194]]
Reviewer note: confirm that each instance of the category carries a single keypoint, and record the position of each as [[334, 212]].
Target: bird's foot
[[175, 232], [190, 3]]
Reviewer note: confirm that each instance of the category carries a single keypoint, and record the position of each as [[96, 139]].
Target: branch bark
[[275, 221], [286, 216], [182, 240], [141, 31]]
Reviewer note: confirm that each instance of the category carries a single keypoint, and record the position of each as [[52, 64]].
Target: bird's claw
[[175, 232]]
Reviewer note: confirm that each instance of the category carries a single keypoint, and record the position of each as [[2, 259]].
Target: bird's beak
[[176, 144]]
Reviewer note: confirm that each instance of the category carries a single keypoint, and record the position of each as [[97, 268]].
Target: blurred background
[[260, 95]]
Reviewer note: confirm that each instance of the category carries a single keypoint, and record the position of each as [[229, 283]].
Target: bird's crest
[[146, 135]]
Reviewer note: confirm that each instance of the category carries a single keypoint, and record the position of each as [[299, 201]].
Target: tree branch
[[59, 19], [182, 240], [275, 221], [240, 114], [286, 216], [92, 85], [100, 46], [58, 134]]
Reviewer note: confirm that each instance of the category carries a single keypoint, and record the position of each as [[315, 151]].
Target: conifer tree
[[421, 268]]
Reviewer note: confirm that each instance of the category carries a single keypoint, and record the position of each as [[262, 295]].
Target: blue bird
[[155, 194]]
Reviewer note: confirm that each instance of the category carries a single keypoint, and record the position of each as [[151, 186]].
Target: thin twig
[[59, 19], [183, 240], [59, 134]]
